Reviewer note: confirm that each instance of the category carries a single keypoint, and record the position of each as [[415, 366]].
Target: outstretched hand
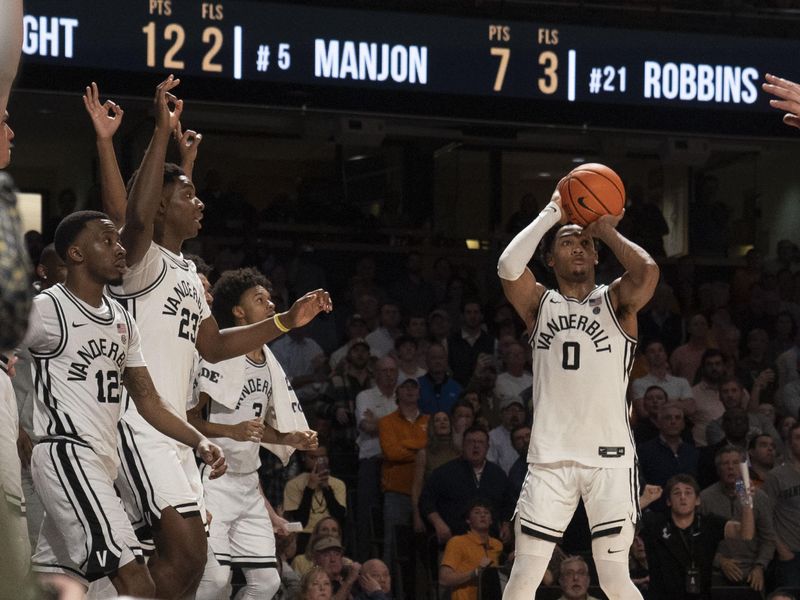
[[306, 308], [788, 98], [168, 107], [302, 440], [106, 117]]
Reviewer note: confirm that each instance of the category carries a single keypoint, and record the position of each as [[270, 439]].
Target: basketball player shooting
[[583, 338]]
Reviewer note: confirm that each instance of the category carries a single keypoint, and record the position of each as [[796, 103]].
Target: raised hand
[[212, 455], [167, 106], [106, 117], [603, 225], [788, 98], [306, 308], [188, 141]]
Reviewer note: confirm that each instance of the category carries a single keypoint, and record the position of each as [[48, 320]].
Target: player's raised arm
[[787, 98], [188, 142], [10, 46], [159, 414], [145, 196], [215, 345], [519, 284], [106, 118], [634, 289]]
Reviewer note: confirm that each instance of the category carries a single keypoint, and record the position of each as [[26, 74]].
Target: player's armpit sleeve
[[134, 357], [520, 250]]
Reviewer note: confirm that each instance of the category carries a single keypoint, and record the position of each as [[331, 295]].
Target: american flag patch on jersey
[[122, 329], [595, 301]]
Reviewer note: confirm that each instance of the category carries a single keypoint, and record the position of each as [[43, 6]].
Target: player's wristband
[[280, 325]]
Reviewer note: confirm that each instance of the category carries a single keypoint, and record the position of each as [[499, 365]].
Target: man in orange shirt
[[465, 556], [402, 433]]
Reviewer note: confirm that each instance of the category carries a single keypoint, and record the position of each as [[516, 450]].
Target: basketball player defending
[[583, 338], [159, 481], [85, 346]]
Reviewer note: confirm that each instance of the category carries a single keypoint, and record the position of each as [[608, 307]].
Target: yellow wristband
[[280, 325]]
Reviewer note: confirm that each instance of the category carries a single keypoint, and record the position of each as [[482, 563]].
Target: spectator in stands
[[732, 395], [573, 579], [313, 495], [439, 327], [372, 405], [735, 426], [676, 388], [761, 451], [438, 391], [403, 434], [325, 527], [355, 329], [352, 377], [381, 340], [787, 365], [452, 486], [417, 329], [706, 406], [462, 416], [646, 427], [784, 335], [405, 351], [374, 581], [315, 585], [660, 319], [514, 379], [638, 566], [686, 359], [368, 307], [781, 595], [788, 400], [501, 449], [363, 282], [439, 450], [463, 347], [285, 550], [757, 359], [467, 556], [668, 538], [668, 454], [783, 488], [304, 363], [328, 555], [520, 440], [414, 294], [741, 562], [483, 381]]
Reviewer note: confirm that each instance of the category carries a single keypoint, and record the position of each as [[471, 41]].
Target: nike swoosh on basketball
[[582, 202], [74, 324], [610, 551]]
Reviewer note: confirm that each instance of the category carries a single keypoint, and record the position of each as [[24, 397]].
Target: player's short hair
[[727, 449], [171, 174], [228, 292], [47, 252], [683, 478], [203, 268], [71, 226], [548, 242]]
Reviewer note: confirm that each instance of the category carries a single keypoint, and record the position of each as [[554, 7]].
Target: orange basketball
[[591, 191]]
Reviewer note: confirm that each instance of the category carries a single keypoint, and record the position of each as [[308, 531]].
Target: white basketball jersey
[[254, 400], [581, 361], [80, 354], [165, 296]]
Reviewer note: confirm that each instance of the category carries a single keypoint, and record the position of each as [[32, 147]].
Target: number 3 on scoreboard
[[549, 83], [504, 54]]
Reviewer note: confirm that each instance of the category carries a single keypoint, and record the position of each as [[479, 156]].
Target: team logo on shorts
[[122, 330]]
